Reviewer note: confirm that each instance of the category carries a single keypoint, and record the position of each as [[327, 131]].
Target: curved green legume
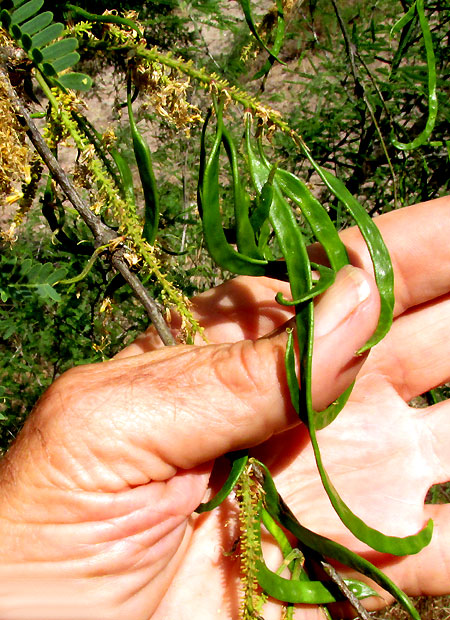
[[431, 65], [313, 212], [126, 177], [316, 216], [277, 44], [261, 212], [380, 542], [238, 466], [245, 236], [291, 376], [87, 267], [245, 5], [296, 565], [394, 545], [263, 239], [298, 267], [146, 174], [259, 168], [105, 19], [202, 162], [306, 592], [382, 266], [293, 248], [326, 416], [321, 418], [219, 248], [324, 230], [283, 222], [326, 547], [327, 277], [278, 534]]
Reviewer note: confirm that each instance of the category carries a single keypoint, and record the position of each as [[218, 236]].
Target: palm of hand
[[377, 453]]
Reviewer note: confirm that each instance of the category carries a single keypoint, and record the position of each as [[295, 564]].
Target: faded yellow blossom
[[97, 207], [106, 305], [104, 342], [109, 138], [9, 235], [14, 154], [167, 93], [133, 15], [132, 258], [87, 154], [25, 197], [13, 197]]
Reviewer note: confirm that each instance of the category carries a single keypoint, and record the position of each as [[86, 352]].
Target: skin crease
[[97, 493]]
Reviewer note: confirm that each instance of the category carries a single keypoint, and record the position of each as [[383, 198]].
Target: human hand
[[381, 454], [98, 491]]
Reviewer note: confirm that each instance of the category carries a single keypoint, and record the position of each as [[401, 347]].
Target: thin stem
[[150, 305], [354, 602], [359, 87]]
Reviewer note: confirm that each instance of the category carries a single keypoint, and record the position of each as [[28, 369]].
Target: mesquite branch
[[102, 233], [363, 614]]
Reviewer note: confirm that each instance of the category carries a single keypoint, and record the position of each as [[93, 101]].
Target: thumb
[[146, 416], [206, 401], [345, 318]]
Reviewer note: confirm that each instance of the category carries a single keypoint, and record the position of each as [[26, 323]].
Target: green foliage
[[36, 34], [28, 274]]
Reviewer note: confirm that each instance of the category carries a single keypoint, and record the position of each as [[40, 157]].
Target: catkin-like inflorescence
[[249, 496]]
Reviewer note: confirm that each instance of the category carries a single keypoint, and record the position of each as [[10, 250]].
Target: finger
[[417, 240], [182, 406], [243, 308], [415, 355]]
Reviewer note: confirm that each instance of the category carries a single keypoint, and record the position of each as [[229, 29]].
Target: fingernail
[[349, 291]]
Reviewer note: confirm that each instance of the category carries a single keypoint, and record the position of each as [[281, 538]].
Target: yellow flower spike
[[14, 197], [14, 154]]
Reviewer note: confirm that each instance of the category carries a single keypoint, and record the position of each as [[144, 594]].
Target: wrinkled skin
[[97, 493]]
